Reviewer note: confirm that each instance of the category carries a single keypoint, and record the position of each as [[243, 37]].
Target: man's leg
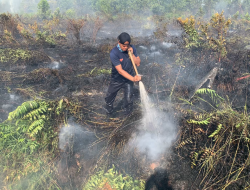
[[128, 96], [114, 87]]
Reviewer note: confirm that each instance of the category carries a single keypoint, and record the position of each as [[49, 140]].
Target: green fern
[[114, 180], [22, 110], [31, 113], [35, 114], [59, 107], [216, 131], [28, 142], [36, 126], [194, 159], [203, 122], [214, 96]]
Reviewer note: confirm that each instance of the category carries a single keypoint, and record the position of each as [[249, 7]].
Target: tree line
[[169, 8]]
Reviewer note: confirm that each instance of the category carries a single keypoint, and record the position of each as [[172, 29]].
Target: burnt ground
[[71, 73]]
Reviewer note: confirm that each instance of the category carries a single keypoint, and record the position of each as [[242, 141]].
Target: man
[[122, 75]]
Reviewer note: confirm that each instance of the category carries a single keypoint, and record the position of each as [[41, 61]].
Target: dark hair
[[124, 37]]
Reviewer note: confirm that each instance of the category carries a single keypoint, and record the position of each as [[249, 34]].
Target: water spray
[[141, 86], [157, 130]]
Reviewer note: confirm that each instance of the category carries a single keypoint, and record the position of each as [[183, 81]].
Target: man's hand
[[131, 49], [137, 78]]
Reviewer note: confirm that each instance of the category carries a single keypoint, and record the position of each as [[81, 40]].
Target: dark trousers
[[114, 87]]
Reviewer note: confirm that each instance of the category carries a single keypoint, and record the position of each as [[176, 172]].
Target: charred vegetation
[[54, 75]]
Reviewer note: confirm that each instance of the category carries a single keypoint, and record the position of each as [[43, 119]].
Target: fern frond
[[183, 143], [185, 101], [36, 126], [36, 113], [194, 158], [23, 110], [214, 96], [60, 104], [245, 134], [216, 131], [200, 116], [59, 107], [203, 122], [207, 159]]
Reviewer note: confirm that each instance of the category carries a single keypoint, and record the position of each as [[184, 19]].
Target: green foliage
[[45, 37], [221, 25], [43, 9], [211, 138], [112, 180], [157, 9], [202, 122], [32, 118], [226, 135], [246, 17], [215, 133], [236, 15], [57, 14], [112, 7], [28, 142], [212, 94], [189, 25], [170, 9], [14, 55], [208, 35], [70, 13]]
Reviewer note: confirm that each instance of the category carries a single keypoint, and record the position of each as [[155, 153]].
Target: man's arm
[[126, 75], [137, 59]]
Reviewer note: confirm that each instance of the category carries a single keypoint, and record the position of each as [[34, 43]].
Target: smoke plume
[[75, 137]]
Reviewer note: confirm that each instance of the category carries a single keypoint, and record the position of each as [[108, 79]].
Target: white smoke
[[11, 6], [157, 131], [73, 134]]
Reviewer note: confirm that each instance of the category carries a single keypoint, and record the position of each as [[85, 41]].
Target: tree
[[43, 8], [64, 5]]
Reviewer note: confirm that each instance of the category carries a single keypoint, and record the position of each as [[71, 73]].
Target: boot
[[129, 109], [108, 108]]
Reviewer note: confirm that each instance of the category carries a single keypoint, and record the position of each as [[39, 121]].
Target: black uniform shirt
[[121, 58]]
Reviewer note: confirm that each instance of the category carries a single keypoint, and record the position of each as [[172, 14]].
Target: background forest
[[109, 8]]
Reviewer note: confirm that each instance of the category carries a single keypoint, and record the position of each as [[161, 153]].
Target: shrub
[[218, 143], [28, 142], [70, 13], [14, 55], [112, 180]]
